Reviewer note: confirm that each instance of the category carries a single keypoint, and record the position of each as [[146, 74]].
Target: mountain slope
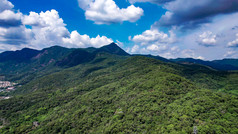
[[34, 65], [123, 94], [78, 56], [154, 57], [105, 90], [28, 63]]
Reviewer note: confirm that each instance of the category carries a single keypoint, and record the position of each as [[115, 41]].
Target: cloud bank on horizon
[[204, 29]]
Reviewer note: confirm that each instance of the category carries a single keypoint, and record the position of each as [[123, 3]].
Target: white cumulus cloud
[[107, 12], [207, 39], [84, 4], [154, 42], [157, 48], [231, 54], [8, 18], [135, 49], [188, 53], [82, 41], [15, 36], [9, 15], [46, 29], [233, 43], [159, 2], [5, 5], [44, 19], [49, 29], [154, 36]]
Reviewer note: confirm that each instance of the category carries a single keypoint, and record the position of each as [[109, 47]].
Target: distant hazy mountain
[[233, 62], [225, 64]]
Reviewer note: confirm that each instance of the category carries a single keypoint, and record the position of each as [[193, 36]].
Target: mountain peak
[[113, 44], [113, 48]]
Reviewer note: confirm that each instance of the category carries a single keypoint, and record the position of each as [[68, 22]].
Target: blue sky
[[169, 28], [74, 17]]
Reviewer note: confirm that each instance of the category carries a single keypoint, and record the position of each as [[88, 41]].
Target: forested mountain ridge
[[26, 60], [114, 92], [28, 63]]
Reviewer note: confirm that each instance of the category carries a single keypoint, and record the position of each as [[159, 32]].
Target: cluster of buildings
[[4, 84], [4, 97], [7, 86]]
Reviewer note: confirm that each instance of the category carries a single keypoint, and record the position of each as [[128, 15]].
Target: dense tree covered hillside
[[118, 93]]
